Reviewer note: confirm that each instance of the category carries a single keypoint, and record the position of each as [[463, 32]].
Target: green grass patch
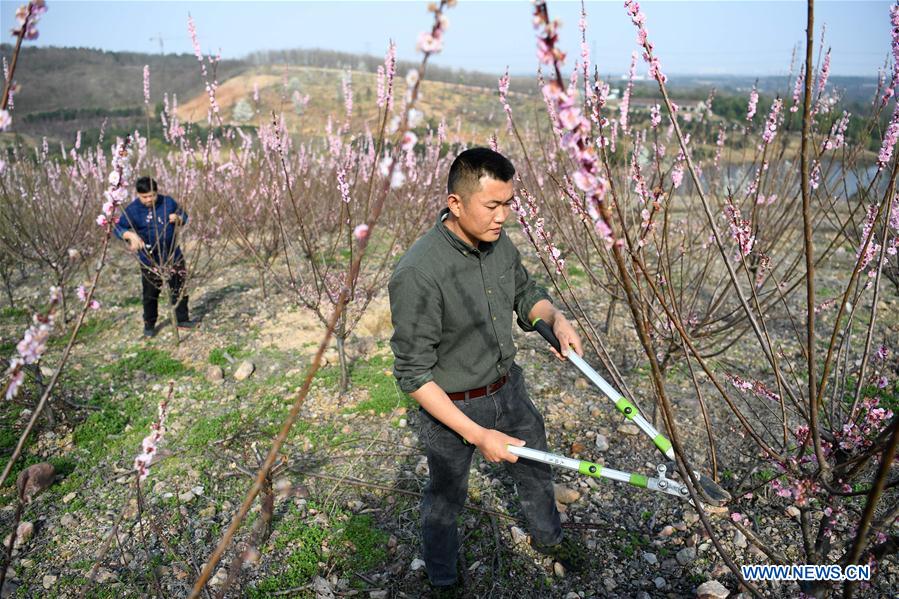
[[12, 312], [355, 544], [62, 465], [9, 437], [375, 375], [575, 272], [365, 544], [888, 397], [95, 437], [217, 355], [324, 435], [628, 542], [133, 300], [148, 360], [99, 433], [696, 579], [207, 430], [90, 328], [301, 564], [72, 483], [266, 407], [329, 376]]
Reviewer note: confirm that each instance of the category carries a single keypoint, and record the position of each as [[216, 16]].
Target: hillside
[[470, 112], [60, 78], [67, 90]]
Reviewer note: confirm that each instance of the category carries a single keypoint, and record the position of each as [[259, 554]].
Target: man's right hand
[[134, 242], [492, 445]]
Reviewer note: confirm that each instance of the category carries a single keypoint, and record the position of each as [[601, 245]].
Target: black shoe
[[570, 553], [452, 591], [149, 331], [187, 324]]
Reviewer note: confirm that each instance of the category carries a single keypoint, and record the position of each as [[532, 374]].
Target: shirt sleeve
[[527, 293], [123, 224], [416, 309], [176, 209]]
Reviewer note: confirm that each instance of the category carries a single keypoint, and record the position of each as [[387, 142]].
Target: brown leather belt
[[480, 391]]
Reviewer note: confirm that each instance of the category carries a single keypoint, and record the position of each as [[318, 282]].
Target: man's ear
[[454, 203]]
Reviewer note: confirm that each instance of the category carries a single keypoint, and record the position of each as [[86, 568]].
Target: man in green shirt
[[451, 299]]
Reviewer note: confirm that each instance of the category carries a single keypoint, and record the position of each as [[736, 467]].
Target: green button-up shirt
[[451, 306]]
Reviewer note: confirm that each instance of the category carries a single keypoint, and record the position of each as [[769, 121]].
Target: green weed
[[207, 430], [97, 434], [364, 543], [301, 564], [384, 395], [150, 361], [217, 356], [12, 312], [89, 329], [355, 543], [134, 300], [627, 542]]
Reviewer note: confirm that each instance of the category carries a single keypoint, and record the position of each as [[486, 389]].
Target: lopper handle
[[546, 332]]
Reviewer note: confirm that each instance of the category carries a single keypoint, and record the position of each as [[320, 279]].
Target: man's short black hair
[[145, 185], [472, 164]]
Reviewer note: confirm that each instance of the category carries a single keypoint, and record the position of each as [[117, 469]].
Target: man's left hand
[[175, 219], [567, 336]]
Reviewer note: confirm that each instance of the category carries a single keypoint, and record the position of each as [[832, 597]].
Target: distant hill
[[472, 113], [65, 90], [852, 89], [57, 78], [331, 59]]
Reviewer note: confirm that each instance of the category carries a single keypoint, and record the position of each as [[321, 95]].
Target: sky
[[720, 37]]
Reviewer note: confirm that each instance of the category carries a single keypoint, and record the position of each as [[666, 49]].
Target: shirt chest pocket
[[506, 284]]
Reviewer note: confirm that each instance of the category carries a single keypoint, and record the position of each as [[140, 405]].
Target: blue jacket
[[153, 227]]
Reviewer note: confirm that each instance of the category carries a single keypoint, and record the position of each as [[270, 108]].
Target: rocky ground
[[345, 515]]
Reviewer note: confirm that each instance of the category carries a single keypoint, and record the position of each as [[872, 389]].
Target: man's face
[[147, 198], [482, 215]]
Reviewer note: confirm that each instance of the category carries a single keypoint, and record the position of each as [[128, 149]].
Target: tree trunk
[[35, 370], [340, 338], [174, 319], [7, 284], [610, 315], [172, 313], [60, 283]]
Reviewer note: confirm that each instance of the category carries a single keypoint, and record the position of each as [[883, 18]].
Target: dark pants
[[511, 411], [151, 285]]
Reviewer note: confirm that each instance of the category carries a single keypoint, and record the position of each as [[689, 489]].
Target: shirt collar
[[156, 202], [454, 240]]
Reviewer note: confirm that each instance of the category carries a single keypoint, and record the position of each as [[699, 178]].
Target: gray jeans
[[511, 411]]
